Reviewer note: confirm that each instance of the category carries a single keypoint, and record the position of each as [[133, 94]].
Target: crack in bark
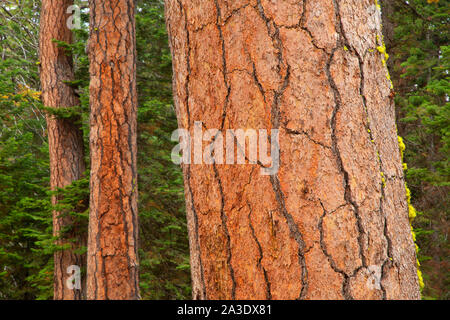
[[123, 186], [203, 294], [346, 282], [224, 219], [371, 137], [282, 78], [274, 35], [224, 64], [65, 138], [188, 62], [305, 133], [274, 179], [233, 12], [105, 58], [259, 264], [336, 152], [258, 83], [382, 187]]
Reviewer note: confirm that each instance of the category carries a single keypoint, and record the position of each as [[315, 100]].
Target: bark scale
[[65, 137], [333, 222], [113, 225]]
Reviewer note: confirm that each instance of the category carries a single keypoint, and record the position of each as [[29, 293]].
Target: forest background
[[416, 36]]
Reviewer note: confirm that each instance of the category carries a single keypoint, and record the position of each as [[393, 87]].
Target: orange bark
[[65, 137], [325, 226], [113, 219]]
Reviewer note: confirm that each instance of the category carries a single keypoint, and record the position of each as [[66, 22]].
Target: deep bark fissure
[[370, 131], [203, 293], [224, 65], [188, 62], [224, 219], [274, 179], [261, 254], [295, 233]]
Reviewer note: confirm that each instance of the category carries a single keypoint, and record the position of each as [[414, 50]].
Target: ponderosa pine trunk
[[65, 137], [113, 221], [333, 222]]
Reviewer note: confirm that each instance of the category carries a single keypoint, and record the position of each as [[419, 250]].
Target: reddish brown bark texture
[[65, 137], [324, 227], [113, 224]]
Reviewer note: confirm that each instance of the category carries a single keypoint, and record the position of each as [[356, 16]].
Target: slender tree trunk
[[333, 222], [113, 224], [65, 136]]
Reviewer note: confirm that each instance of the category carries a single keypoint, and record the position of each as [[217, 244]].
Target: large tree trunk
[[333, 222], [113, 220], [65, 137]]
